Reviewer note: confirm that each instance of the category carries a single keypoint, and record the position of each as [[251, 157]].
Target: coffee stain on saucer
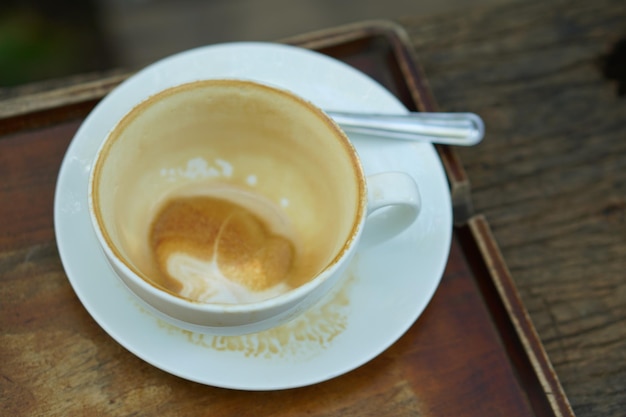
[[301, 337]]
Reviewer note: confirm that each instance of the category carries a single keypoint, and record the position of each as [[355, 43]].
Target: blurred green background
[[44, 39], [48, 39]]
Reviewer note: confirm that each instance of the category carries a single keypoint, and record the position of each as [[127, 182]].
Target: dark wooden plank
[[551, 174], [29, 164]]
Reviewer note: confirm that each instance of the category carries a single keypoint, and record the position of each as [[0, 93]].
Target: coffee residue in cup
[[213, 250]]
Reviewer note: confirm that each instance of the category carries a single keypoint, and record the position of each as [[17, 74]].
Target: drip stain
[[301, 337]]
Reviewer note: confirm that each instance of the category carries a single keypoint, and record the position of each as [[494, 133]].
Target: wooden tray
[[473, 352]]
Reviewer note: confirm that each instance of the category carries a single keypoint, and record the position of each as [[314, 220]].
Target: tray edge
[[501, 278]]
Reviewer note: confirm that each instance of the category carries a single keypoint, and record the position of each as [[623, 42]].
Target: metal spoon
[[445, 128]]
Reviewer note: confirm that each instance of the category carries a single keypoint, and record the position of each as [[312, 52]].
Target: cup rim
[[114, 255]]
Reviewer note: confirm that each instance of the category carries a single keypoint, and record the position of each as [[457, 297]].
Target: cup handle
[[393, 205]]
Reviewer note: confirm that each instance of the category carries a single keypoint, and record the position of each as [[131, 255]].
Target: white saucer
[[385, 291]]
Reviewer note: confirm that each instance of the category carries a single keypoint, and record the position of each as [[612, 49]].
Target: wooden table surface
[[550, 176]]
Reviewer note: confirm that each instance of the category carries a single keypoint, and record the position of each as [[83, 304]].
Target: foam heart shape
[[213, 250]]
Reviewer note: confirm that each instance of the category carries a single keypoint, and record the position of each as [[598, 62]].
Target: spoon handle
[[445, 128]]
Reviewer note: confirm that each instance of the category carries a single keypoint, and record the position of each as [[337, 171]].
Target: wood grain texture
[[551, 174]]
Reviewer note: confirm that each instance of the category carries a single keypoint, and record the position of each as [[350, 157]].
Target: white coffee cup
[[230, 207]]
